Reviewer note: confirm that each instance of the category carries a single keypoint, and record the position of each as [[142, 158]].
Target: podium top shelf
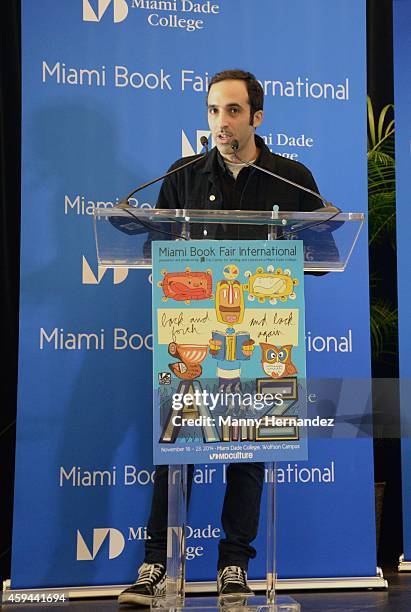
[[124, 235], [250, 217]]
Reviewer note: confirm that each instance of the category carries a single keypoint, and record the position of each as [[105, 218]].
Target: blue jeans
[[239, 517]]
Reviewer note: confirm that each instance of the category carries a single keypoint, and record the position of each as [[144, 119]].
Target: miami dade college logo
[[120, 10], [188, 149], [116, 544], [89, 278]]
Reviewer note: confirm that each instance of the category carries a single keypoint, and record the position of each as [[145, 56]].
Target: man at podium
[[222, 180]]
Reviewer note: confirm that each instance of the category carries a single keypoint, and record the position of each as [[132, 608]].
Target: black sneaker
[[232, 581], [151, 583]]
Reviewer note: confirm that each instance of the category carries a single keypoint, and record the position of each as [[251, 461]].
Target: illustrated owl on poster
[[277, 361]]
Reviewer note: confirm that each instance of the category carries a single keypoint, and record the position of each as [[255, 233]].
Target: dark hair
[[254, 89]]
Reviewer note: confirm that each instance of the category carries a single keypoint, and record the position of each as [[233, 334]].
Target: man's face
[[229, 117]]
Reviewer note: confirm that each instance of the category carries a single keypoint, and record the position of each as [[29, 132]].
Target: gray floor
[[396, 599]]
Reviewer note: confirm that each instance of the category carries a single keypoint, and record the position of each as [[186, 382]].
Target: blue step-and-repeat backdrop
[[114, 92]]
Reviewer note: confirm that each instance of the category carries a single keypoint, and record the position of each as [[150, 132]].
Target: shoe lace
[[149, 572], [234, 573]]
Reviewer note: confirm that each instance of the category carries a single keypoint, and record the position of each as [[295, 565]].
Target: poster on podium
[[229, 352]]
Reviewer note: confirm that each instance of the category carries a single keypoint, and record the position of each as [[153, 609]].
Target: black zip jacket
[[200, 185], [208, 184]]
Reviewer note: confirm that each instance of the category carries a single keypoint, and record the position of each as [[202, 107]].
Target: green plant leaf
[[371, 123], [382, 222], [384, 326]]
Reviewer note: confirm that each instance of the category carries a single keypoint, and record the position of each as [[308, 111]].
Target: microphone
[[327, 207], [124, 202]]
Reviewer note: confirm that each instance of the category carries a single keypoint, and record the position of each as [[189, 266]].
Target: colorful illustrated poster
[[229, 352]]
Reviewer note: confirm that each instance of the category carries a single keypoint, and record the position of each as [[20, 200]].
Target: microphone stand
[[124, 203], [327, 206]]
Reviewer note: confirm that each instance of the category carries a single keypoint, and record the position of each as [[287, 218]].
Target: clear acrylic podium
[[123, 240]]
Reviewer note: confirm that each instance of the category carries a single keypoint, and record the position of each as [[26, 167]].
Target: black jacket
[[199, 185]]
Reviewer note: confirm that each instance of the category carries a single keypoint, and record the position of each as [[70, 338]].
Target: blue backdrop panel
[[402, 54], [113, 93]]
